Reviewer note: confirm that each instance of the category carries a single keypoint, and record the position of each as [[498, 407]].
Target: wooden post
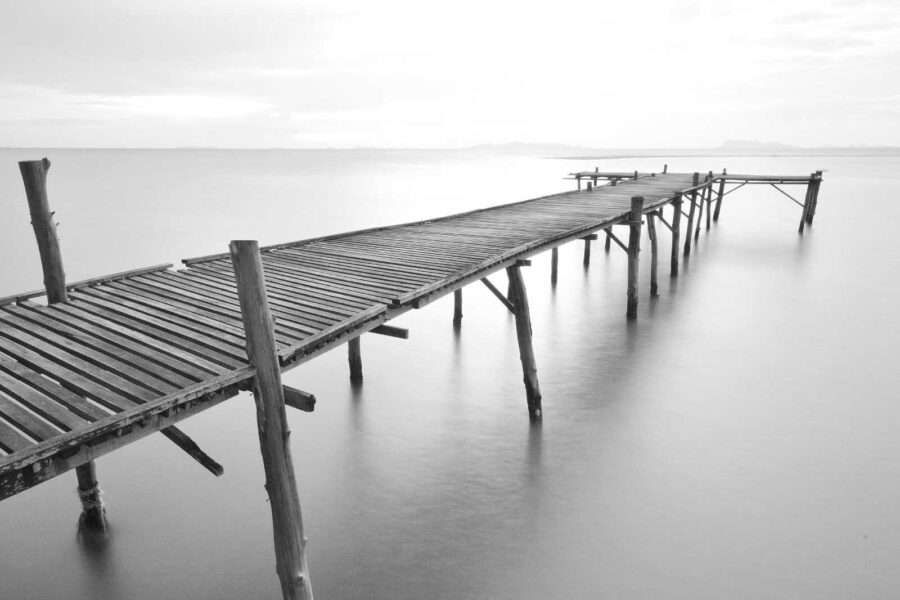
[[651, 230], [665, 168], [554, 265], [634, 250], [587, 252], [700, 202], [457, 307], [815, 198], [578, 179], [34, 175], [690, 223], [709, 200], [676, 234], [519, 299], [807, 202], [590, 186], [274, 435], [721, 194], [354, 357]]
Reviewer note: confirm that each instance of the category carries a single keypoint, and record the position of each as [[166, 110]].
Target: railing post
[[34, 174], [274, 435], [634, 250]]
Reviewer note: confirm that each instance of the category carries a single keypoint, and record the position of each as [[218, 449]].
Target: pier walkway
[[131, 354]]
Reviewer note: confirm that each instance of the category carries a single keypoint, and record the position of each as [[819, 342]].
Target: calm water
[[739, 441]]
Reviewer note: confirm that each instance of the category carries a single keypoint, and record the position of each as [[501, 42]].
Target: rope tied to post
[[90, 498]]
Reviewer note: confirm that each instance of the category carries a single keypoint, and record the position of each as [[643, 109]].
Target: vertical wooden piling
[[709, 193], [274, 435], [457, 307], [676, 234], [634, 250], [578, 179], [815, 198], [807, 202], [590, 186], [34, 175], [587, 252], [519, 298], [665, 168], [705, 196], [720, 195], [651, 230], [690, 223], [554, 265], [354, 357], [608, 242]]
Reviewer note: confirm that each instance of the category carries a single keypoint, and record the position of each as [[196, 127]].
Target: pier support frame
[[815, 198], [519, 299], [457, 307], [634, 250], [274, 435], [34, 175]]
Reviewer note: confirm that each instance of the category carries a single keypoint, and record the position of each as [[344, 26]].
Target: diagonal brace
[[487, 283]]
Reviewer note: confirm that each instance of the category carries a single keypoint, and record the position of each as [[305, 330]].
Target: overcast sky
[[343, 73]]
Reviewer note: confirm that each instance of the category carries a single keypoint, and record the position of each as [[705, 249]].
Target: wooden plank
[[41, 405]]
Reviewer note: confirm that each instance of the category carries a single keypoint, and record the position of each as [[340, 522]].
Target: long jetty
[[87, 367]]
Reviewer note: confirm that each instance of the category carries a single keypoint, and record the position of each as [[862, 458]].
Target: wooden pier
[[89, 366]]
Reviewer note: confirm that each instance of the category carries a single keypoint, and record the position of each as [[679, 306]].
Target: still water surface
[[738, 441]]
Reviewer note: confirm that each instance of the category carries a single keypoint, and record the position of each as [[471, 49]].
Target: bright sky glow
[[395, 73]]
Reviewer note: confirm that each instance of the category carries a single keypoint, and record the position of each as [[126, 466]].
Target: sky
[[388, 73]]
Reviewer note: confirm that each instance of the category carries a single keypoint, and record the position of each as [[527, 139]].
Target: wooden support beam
[[554, 265], [676, 234], [392, 331], [815, 199], [666, 168], [274, 435], [690, 223], [181, 439], [807, 202], [526, 350], [606, 244], [634, 250], [34, 175], [457, 307], [503, 299], [720, 196], [590, 186], [709, 199], [578, 179], [354, 358], [611, 236], [587, 252], [299, 399], [651, 230], [704, 192]]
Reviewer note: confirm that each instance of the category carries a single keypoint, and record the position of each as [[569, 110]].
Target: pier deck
[[134, 353], [110, 360]]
